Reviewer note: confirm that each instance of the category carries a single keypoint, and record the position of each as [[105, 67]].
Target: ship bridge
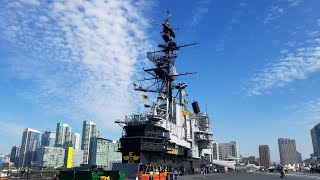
[[202, 132]]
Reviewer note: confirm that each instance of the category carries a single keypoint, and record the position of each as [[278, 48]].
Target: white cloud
[[82, 55], [313, 33], [294, 2], [274, 12], [289, 67], [291, 43], [202, 8], [308, 113]]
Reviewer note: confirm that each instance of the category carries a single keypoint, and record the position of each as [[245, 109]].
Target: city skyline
[[231, 149], [257, 63], [63, 148]]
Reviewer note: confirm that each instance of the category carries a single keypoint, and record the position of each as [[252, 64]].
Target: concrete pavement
[[253, 176], [244, 176]]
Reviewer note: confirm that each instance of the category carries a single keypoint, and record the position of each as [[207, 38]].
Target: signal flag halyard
[[186, 113], [144, 96], [184, 126], [174, 71], [184, 93], [186, 101]]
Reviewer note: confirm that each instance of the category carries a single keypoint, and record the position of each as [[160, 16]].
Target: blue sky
[[258, 65]]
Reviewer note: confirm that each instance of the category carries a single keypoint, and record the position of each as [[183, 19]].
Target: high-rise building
[[4, 158], [287, 151], [104, 153], [50, 157], [89, 131], [229, 150], [76, 140], [299, 157], [224, 150], [264, 156], [215, 151], [29, 144], [63, 135], [315, 137], [1, 157], [235, 149], [14, 156], [48, 139]]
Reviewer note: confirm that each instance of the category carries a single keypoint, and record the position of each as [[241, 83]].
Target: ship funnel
[[195, 107]]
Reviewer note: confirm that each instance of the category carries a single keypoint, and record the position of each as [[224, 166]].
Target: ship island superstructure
[[169, 133]]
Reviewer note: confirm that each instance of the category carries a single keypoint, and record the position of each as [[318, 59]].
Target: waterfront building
[[315, 137], [73, 157], [29, 144], [89, 131], [264, 155], [76, 140], [104, 153], [313, 155], [48, 139], [257, 163], [229, 151], [63, 135], [287, 151], [14, 155], [50, 157], [77, 157], [215, 151], [250, 160]]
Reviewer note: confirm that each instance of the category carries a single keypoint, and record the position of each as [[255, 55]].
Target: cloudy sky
[[258, 65]]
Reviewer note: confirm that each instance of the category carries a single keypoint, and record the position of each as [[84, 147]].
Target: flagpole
[[180, 97]]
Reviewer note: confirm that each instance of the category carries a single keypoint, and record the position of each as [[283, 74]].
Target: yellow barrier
[[4, 178], [104, 177]]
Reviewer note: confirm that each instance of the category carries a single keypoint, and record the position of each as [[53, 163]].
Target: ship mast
[[164, 72]]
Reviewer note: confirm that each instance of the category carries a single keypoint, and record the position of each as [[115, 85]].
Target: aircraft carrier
[[169, 133]]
